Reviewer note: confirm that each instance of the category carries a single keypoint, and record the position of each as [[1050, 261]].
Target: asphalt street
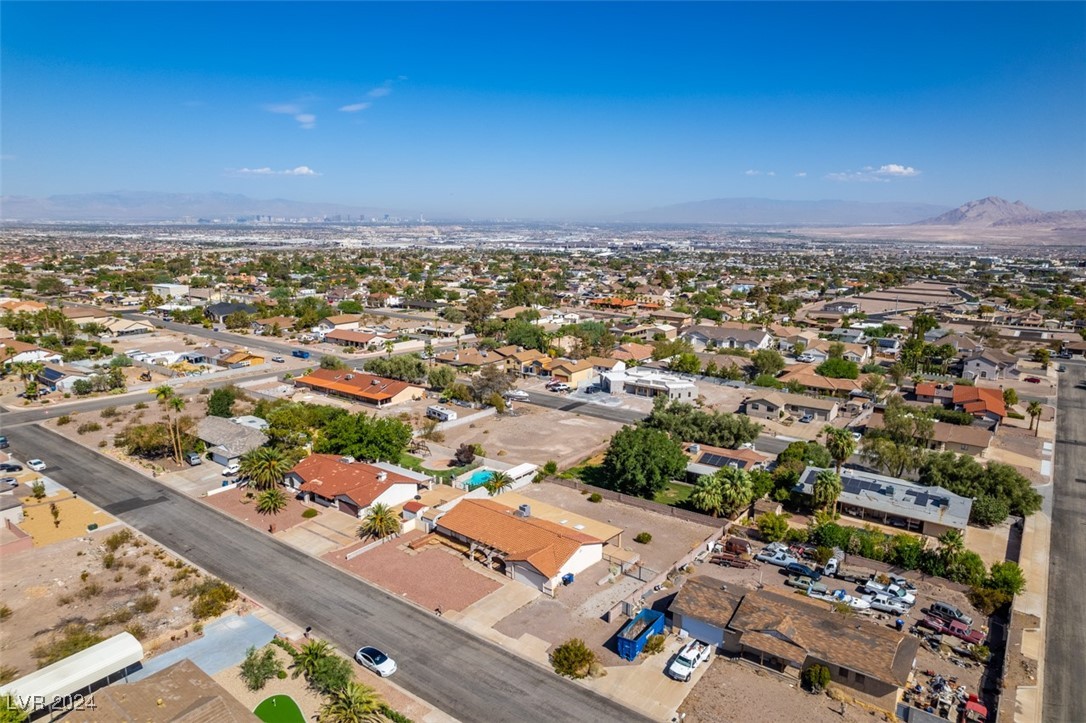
[[465, 676], [1065, 643]]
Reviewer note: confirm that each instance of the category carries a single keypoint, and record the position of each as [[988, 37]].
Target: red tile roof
[[979, 400], [355, 384], [546, 546], [326, 475]]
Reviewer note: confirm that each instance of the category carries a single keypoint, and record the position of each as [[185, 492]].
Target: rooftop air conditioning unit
[[695, 448], [524, 511], [382, 476], [349, 376], [375, 381], [346, 460]]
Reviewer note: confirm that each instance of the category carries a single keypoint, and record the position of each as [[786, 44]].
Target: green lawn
[[675, 493], [412, 462], [279, 709]]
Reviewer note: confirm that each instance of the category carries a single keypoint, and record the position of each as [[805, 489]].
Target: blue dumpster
[[634, 635]]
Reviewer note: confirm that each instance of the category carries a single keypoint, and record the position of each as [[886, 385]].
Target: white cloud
[[266, 171], [306, 120], [355, 107], [801, 174], [771, 173], [380, 91], [870, 174], [753, 172], [284, 108]]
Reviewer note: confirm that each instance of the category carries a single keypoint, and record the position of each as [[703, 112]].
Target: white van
[[441, 414]]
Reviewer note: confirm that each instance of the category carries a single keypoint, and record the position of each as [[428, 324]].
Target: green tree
[[264, 467], [364, 437], [1034, 410], [406, 367], [1006, 577], [838, 369], [686, 363], [380, 521], [10, 712], [353, 703], [1010, 396], [951, 546], [221, 403], [490, 380], [641, 461], [526, 334], [441, 377], [333, 362], [772, 526], [573, 659], [1043, 357], [259, 667], [826, 489], [840, 445], [271, 501], [308, 657], [498, 483], [767, 361]]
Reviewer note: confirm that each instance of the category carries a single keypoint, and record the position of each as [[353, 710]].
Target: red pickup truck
[[955, 628]]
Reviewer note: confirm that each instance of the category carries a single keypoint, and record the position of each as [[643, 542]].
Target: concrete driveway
[[329, 531], [223, 645]]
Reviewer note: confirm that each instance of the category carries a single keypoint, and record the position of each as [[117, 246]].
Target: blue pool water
[[479, 477]]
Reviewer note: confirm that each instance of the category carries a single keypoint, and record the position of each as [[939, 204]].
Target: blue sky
[[547, 110]]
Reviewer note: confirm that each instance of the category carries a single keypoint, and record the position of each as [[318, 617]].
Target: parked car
[[856, 436], [1033, 380], [779, 558], [803, 582], [517, 394], [798, 568], [946, 611], [9, 482], [1061, 368], [300, 353], [11, 467], [559, 387], [278, 359], [36, 464], [890, 589], [806, 358], [193, 459], [4, 442], [886, 604], [806, 419], [953, 627], [376, 661], [231, 469], [689, 658], [902, 582]]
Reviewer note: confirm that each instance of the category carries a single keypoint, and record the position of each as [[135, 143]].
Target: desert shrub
[[144, 570], [816, 677], [259, 667], [5, 612], [772, 526], [141, 405], [550, 467], [393, 715], [109, 560], [988, 600], [655, 644], [71, 640], [64, 419], [117, 617], [89, 591], [643, 537], [211, 598], [572, 659], [118, 540], [136, 630], [65, 600], [310, 513], [281, 675], [109, 413], [7, 674], [88, 427], [145, 603], [595, 497]]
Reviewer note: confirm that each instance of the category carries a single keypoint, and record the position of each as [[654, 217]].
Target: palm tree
[[1033, 409], [951, 546], [840, 444], [176, 404], [355, 703], [389, 346], [381, 521], [308, 658], [264, 467], [708, 495], [498, 483], [826, 489], [271, 501], [162, 393]]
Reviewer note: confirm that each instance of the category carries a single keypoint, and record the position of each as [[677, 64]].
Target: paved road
[[469, 678], [1065, 644], [766, 444]]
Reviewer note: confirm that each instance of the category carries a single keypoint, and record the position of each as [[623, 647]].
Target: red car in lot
[[1033, 380], [955, 628]]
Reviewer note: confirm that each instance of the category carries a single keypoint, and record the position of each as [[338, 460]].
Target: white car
[[517, 394], [806, 358], [36, 464], [886, 604], [891, 590], [375, 660], [779, 558], [689, 658], [231, 469]]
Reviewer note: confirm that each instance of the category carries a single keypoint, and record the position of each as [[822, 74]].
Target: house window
[[842, 673], [860, 679]]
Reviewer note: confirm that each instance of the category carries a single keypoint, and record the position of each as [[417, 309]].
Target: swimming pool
[[479, 478]]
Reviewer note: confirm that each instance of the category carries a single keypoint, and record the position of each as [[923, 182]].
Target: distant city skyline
[[537, 110]]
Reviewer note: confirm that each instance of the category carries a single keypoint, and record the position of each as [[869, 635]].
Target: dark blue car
[[798, 568]]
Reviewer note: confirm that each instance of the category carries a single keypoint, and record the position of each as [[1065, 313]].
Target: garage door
[[349, 507], [703, 631], [528, 576]]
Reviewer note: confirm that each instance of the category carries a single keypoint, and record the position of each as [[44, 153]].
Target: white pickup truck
[[890, 590], [689, 658]]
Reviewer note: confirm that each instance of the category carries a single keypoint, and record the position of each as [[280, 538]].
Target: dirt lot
[[535, 435], [68, 583], [733, 690], [433, 577], [238, 504]]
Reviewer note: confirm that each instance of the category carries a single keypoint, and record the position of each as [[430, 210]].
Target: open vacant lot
[[535, 435]]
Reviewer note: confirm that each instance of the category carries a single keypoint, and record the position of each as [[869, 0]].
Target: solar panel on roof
[[715, 460]]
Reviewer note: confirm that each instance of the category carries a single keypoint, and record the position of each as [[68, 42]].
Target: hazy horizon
[[565, 110]]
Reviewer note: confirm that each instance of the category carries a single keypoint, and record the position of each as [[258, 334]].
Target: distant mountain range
[[771, 212], [147, 206], [995, 211]]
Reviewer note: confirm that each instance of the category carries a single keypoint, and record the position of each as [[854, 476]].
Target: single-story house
[[841, 307], [127, 327], [59, 379], [270, 324], [983, 403], [170, 291], [706, 460], [774, 405], [990, 364], [603, 364], [787, 634], [340, 321], [13, 351], [238, 358], [531, 550], [820, 351], [219, 311], [891, 501], [359, 386], [355, 339], [443, 329], [704, 335], [946, 437], [646, 382], [849, 335], [805, 375], [633, 352], [471, 357], [791, 341], [528, 361], [82, 315], [228, 441], [351, 486], [888, 346]]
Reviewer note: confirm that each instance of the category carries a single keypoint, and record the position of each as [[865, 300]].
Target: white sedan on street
[[376, 661], [36, 464]]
